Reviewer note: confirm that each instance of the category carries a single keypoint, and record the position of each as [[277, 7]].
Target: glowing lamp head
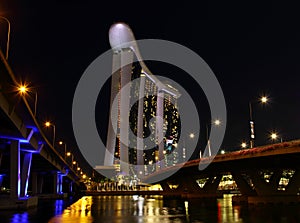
[[120, 36], [274, 135], [22, 89], [243, 145], [47, 124], [217, 122], [192, 135], [264, 99]]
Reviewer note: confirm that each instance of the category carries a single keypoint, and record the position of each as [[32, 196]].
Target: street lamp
[[192, 135], [8, 35], [216, 122], [263, 100], [48, 124], [23, 90], [274, 136], [244, 145], [65, 147]]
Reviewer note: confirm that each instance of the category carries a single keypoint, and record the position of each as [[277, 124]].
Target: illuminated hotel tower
[[119, 139]]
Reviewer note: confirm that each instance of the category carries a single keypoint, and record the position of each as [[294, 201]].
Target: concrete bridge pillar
[[58, 183], [1, 155], [263, 188], [242, 184], [71, 187], [294, 183], [37, 183], [25, 173], [1, 179], [15, 172]]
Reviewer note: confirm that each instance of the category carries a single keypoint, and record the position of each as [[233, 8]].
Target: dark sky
[[253, 49]]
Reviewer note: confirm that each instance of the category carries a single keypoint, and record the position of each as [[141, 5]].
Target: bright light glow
[[264, 99], [22, 89], [74, 162], [78, 168], [68, 153], [192, 135], [274, 135], [83, 176], [60, 142], [47, 124], [222, 151], [244, 145], [217, 122]]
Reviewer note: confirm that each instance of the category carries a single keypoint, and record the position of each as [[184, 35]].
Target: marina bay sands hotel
[[144, 124]]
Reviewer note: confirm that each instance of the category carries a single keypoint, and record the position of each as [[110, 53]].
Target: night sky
[[253, 49]]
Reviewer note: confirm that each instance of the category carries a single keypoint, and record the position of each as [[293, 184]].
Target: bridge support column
[[58, 182], [159, 129], [71, 187], [242, 184], [263, 188], [37, 183], [294, 184], [25, 173], [1, 179], [1, 155], [15, 173]]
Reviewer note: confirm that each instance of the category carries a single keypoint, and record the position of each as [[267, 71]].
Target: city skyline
[[251, 54]]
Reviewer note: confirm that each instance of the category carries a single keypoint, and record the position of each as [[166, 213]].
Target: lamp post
[[65, 148], [263, 100], [216, 122], [48, 124], [24, 89], [8, 35], [244, 145], [274, 137]]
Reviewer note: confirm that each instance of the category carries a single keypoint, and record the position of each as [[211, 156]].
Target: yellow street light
[[244, 145], [263, 100], [274, 136], [23, 89], [48, 124], [65, 148], [69, 153], [217, 122]]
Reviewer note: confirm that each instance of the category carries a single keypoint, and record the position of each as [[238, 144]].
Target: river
[[150, 209]]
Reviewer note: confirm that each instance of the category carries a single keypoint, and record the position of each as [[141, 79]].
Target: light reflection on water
[[153, 209], [120, 209]]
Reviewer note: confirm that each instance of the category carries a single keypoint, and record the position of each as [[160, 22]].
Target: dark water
[[155, 209]]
